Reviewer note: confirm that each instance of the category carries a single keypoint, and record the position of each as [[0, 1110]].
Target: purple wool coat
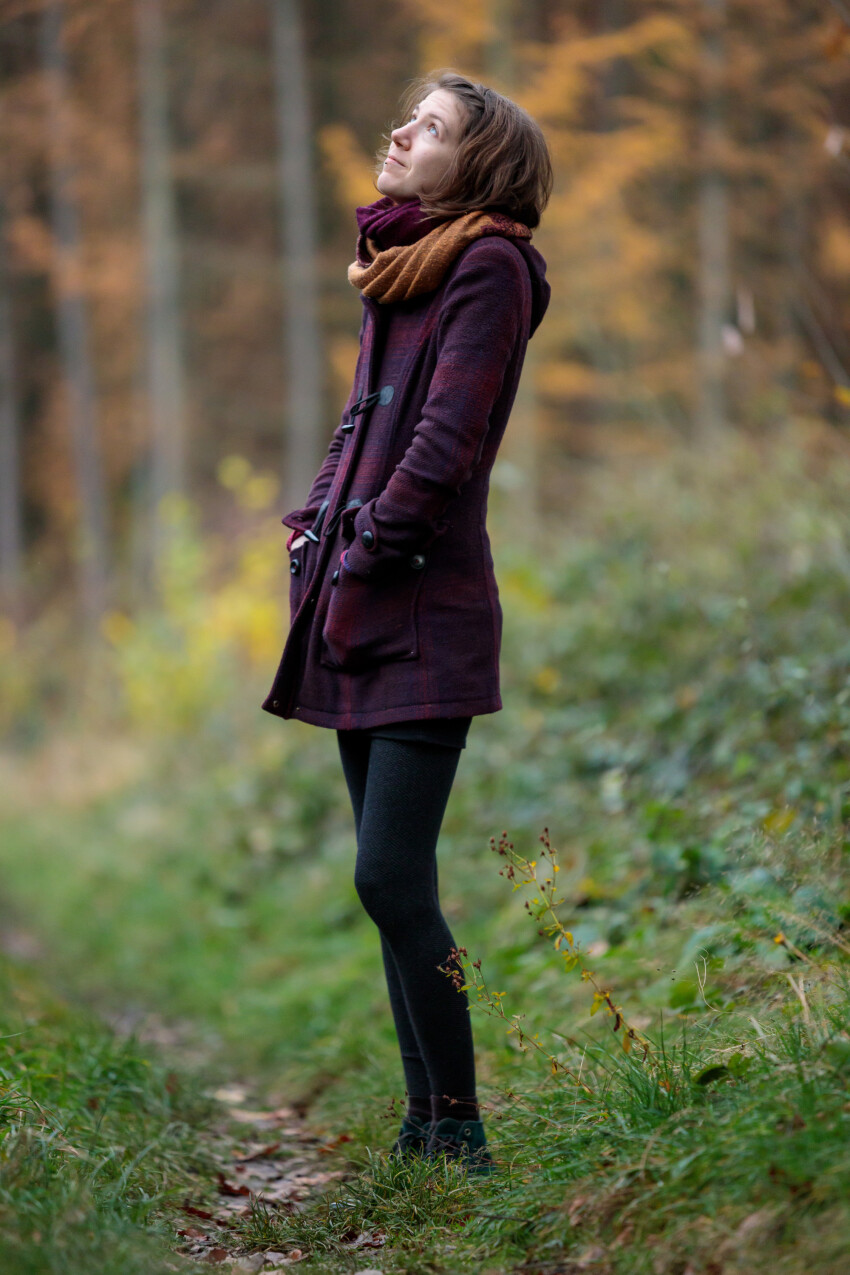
[[394, 605]]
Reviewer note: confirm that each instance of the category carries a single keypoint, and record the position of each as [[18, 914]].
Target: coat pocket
[[369, 622]]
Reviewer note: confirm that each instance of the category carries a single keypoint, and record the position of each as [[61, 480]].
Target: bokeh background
[[669, 522], [178, 194]]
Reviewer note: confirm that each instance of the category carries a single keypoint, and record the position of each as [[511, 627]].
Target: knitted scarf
[[401, 253]]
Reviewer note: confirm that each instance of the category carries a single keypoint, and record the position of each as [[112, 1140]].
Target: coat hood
[[540, 289]]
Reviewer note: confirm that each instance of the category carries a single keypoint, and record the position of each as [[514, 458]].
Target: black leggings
[[399, 790]]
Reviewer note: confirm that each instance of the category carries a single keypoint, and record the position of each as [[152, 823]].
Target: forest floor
[[198, 1064]]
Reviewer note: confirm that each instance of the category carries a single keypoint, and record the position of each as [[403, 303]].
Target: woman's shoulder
[[493, 260], [498, 249]]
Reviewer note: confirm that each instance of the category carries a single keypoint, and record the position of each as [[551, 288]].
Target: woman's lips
[[391, 159]]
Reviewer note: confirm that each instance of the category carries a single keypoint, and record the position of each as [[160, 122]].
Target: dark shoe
[[461, 1140], [412, 1138]]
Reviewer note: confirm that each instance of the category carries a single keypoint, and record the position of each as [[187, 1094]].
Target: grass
[[98, 1139], [677, 713]]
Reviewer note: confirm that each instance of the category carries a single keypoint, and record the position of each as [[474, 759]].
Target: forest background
[[669, 521], [177, 203]]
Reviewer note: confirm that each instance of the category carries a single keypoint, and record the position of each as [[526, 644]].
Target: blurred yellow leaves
[[547, 679], [451, 34], [779, 821], [116, 627], [221, 609], [252, 491], [348, 167], [8, 635]]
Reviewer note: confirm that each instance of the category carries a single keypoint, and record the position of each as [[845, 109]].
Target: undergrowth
[[676, 678]]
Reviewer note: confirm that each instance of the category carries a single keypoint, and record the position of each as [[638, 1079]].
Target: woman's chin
[[388, 185]]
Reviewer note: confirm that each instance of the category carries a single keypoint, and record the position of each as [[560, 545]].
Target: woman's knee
[[394, 901]]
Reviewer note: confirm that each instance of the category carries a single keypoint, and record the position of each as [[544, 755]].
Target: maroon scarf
[[389, 224]]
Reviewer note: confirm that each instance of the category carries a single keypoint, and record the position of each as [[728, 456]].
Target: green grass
[[677, 712], [97, 1140]]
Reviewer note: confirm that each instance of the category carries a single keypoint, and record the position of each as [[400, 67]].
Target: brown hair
[[502, 162]]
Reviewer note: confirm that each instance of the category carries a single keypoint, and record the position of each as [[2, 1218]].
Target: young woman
[[396, 623]]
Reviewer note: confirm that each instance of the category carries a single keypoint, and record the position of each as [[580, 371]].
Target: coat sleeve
[[484, 314], [303, 518]]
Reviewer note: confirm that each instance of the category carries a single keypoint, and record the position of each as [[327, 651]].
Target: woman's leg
[[407, 788], [354, 748]]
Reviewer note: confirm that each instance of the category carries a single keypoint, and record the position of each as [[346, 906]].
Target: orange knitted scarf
[[406, 270]]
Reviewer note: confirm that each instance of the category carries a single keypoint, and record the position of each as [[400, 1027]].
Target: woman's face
[[422, 148]]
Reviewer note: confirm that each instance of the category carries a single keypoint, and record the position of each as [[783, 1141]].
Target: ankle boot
[[412, 1138], [462, 1140]]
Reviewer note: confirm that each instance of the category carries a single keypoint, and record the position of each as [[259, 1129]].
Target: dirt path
[[259, 1158], [257, 1155]]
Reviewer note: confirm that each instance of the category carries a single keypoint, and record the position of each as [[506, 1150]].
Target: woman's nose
[[399, 136]]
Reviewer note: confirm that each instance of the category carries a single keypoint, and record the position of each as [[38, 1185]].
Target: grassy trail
[[677, 714]]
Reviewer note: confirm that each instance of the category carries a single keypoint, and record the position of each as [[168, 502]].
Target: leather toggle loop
[[354, 503], [382, 397], [315, 531]]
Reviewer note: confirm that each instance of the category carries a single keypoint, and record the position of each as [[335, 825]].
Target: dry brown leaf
[[367, 1239], [262, 1117], [261, 1153], [228, 1188], [193, 1212]]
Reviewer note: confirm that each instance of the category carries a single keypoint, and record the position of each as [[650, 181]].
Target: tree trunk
[[713, 231], [302, 337], [72, 325], [163, 329], [10, 474], [516, 475]]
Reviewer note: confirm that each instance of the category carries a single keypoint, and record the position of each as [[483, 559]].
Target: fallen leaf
[[250, 1265], [261, 1117], [190, 1209], [230, 1094], [334, 1142], [227, 1188], [260, 1154], [366, 1239]]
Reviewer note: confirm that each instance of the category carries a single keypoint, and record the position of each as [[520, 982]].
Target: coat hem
[[386, 716]]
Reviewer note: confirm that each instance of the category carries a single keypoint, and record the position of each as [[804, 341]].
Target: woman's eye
[[434, 126]]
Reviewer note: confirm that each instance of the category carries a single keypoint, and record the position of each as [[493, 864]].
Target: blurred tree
[[165, 395], [697, 241], [73, 325], [10, 478], [517, 469], [713, 225], [299, 251]]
